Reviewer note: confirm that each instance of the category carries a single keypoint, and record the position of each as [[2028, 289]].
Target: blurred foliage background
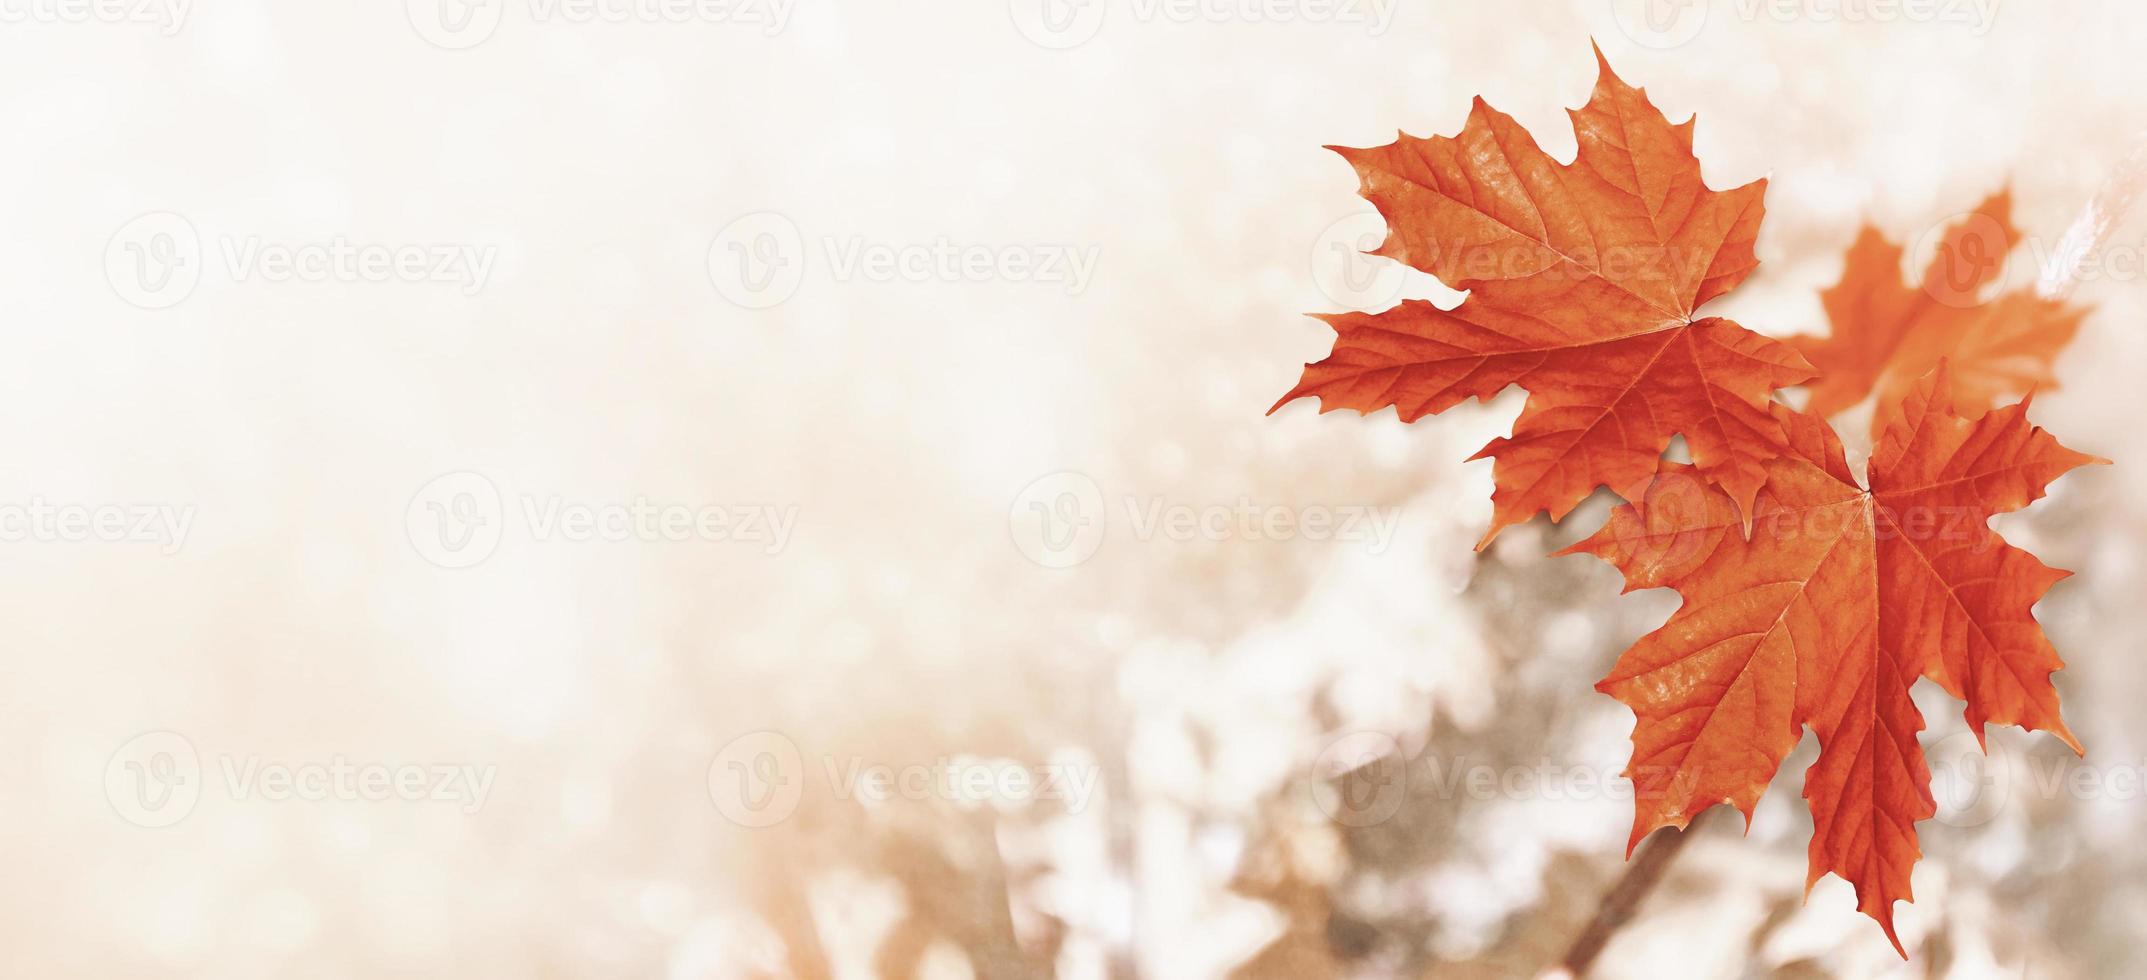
[[1278, 731]]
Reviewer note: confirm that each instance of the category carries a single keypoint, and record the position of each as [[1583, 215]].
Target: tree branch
[[1623, 901]]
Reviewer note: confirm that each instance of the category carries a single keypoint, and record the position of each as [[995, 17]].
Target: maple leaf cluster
[[1811, 599]]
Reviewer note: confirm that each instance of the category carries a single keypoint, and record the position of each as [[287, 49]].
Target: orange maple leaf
[[1887, 333], [1583, 280], [1825, 615]]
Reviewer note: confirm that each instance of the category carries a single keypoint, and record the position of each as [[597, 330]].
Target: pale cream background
[[901, 622]]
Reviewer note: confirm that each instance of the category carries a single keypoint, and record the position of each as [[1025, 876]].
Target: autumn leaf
[[1826, 614], [1888, 333], [1583, 282]]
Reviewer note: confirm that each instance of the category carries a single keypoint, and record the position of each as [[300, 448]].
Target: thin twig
[[1623, 901]]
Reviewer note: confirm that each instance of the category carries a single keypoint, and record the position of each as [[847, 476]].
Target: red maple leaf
[[1823, 616], [1888, 333], [1583, 282]]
